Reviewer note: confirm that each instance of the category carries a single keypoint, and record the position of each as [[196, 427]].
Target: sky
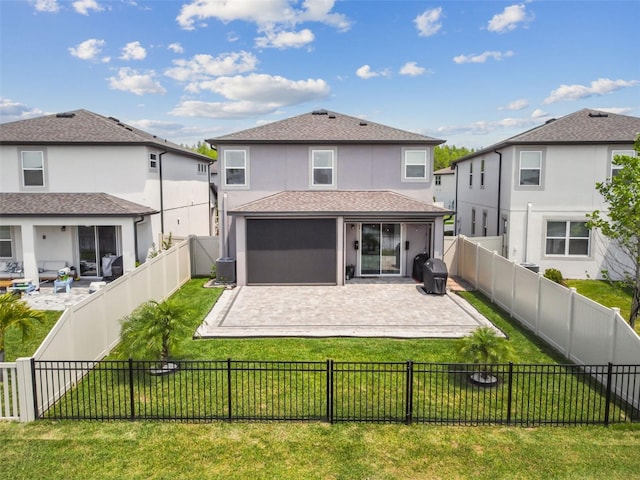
[[469, 72]]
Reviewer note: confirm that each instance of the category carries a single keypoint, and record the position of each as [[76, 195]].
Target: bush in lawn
[[14, 312], [555, 275], [483, 347], [154, 330]]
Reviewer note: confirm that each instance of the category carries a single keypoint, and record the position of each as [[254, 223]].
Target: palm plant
[[15, 313], [483, 347], [154, 330]]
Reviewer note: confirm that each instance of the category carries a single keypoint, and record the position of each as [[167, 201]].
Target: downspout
[[212, 190], [526, 232], [455, 225], [499, 186], [161, 192]]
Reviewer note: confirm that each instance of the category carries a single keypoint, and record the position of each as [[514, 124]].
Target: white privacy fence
[[584, 331], [89, 329]]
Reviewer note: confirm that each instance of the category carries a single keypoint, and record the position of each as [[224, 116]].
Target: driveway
[[359, 309]]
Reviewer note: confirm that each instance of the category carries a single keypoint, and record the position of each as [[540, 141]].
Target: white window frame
[[538, 168], [153, 162], [8, 240], [438, 179], [613, 171], [412, 162], [473, 221], [23, 169], [567, 238], [470, 174], [315, 157], [202, 168], [485, 223], [244, 166], [482, 174]]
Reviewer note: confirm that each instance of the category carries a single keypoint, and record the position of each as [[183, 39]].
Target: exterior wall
[[446, 191], [567, 193]]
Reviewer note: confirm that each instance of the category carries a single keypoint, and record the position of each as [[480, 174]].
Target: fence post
[[229, 416], [509, 393], [607, 405], [569, 346], [330, 391], [409, 394], [27, 401], [132, 404]]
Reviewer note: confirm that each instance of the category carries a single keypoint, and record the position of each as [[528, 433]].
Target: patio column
[[30, 266]]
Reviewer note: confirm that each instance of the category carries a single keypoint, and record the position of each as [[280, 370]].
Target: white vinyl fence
[[89, 329], [584, 331]]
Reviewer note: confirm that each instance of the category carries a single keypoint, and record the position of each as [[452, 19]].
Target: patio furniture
[[95, 286], [21, 285], [66, 284]]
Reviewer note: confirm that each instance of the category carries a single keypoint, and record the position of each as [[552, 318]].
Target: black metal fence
[[406, 392]]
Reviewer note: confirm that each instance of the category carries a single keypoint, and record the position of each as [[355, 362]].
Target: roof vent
[[598, 115], [363, 123], [332, 115], [65, 115], [319, 112], [549, 121], [114, 119]]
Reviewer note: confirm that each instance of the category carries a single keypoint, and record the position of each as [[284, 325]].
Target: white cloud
[[519, 104], [509, 19], [483, 57], [11, 111], [428, 22], [365, 72], [284, 40], [133, 51], [176, 48], [204, 66], [599, 87], [485, 127], [83, 6], [87, 50], [538, 113], [618, 110], [251, 95], [49, 6], [262, 12], [412, 69], [130, 80]]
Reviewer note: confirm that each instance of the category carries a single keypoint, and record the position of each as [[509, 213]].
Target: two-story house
[[79, 188], [536, 188], [321, 197]]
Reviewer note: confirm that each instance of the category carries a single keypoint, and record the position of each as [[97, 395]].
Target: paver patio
[[359, 309]]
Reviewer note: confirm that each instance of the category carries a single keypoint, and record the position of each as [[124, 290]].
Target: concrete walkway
[[359, 309]]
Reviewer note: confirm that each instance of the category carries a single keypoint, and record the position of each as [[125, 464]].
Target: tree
[[154, 330], [205, 149], [621, 223], [15, 313], [484, 347], [445, 154]]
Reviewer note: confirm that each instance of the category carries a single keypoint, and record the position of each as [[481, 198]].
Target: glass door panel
[[370, 249], [390, 249], [88, 251]]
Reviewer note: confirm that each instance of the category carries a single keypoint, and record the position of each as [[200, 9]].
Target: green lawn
[[607, 294], [143, 450], [15, 347]]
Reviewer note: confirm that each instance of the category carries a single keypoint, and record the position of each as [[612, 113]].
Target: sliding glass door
[[380, 249], [95, 242]]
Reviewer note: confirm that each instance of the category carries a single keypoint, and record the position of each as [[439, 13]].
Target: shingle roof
[[69, 204], [322, 126], [338, 202], [83, 127], [445, 171], [584, 126]]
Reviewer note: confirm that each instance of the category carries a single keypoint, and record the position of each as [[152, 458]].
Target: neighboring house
[[79, 188], [444, 194], [536, 188], [321, 196]]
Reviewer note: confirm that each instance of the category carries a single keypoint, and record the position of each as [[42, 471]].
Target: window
[[235, 167], [530, 168], [32, 169], [471, 174], [438, 179], [482, 173], [616, 168], [485, 222], [415, 165], [153, 162], [473, 221], [323, 168], [567, 238], [202, 168], [6, 250]]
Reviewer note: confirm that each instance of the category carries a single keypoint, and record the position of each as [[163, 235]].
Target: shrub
[[555, 275]]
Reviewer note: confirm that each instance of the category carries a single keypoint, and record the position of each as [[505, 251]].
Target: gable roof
[[445, 171], [322, 126], [69, 204], [585, 126], [83, 127], [339, 202]]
